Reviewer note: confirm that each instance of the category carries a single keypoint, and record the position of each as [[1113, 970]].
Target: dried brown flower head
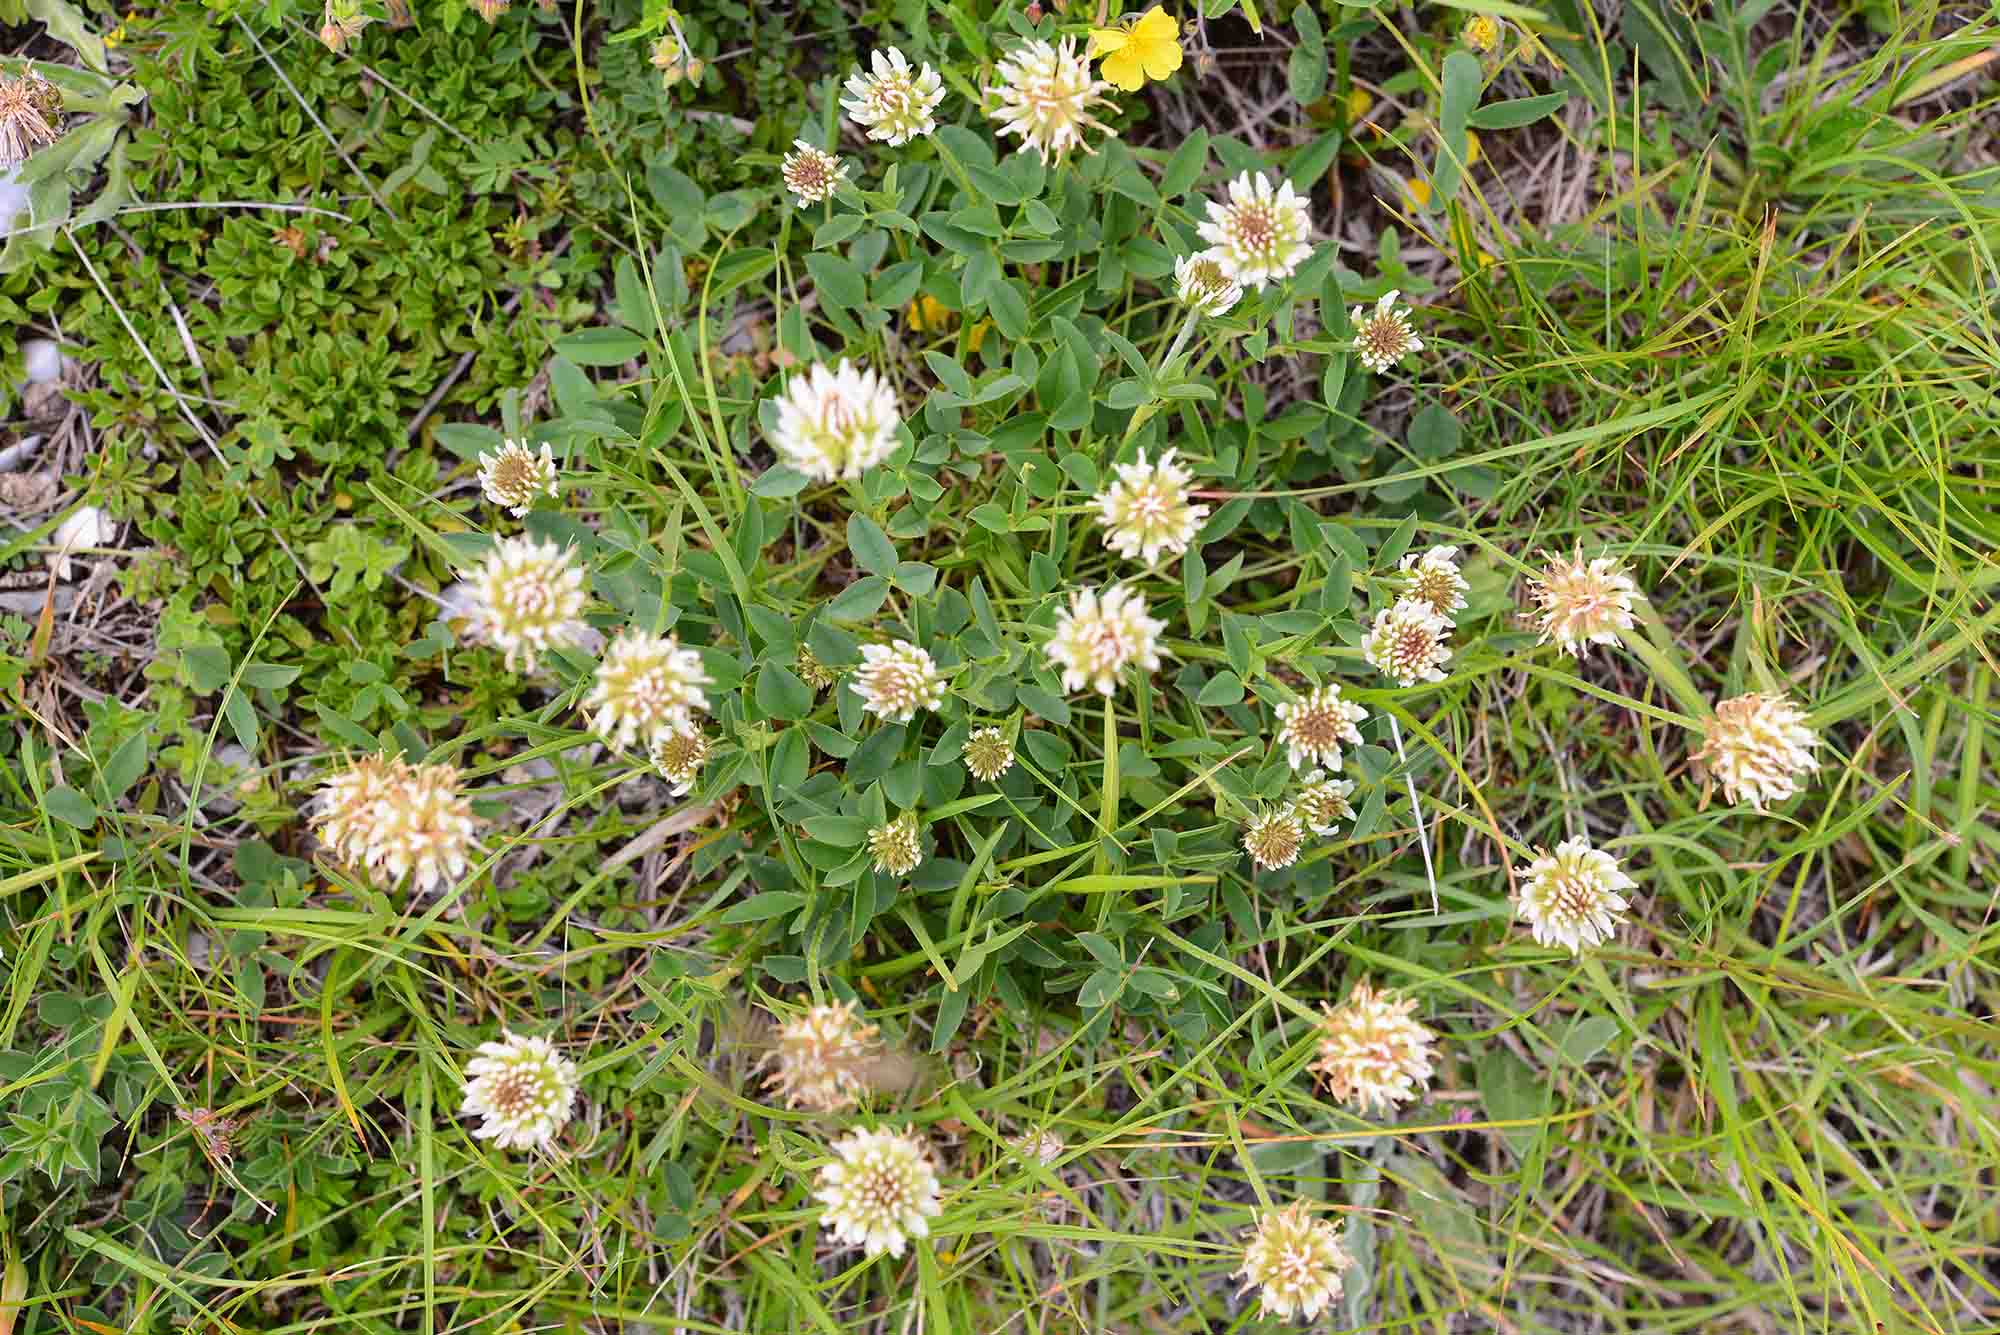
[[30, 117]]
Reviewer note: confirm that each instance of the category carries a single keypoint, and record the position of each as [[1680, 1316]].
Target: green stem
[[1107, 809]]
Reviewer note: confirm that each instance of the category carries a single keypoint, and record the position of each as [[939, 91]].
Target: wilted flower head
[[647, 686], [1260, 234], [1146, 510], [529, 596], [834, 424], [1274, 838], [490, 10], [820, 1056], [522, 1088], [1312, 727], [30, 117], [880, 1191], [1383, 336], [1433, 578], [679, 756], [1201, 285], [513, 475], [1097, 635], [1294, 1261], [1044, 1147], [1371, 1052], [813, 672], [894, 103], [341, 21], [1583, 602], [1570, 898], [895, 846], [1407, 642], [393, 818], [1046, 92], [896, 680], [1322, 803], [1758, 746], [813, 174], [988, 754], [215, 1133]]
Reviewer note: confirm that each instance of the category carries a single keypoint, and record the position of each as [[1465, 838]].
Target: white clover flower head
[[522, 1088], [1583, 602], [987, 753], [393, 819], [513, 475], [1098, 634], [820, 1057], [1323, 803], [1432, 578], [836, 424], [880, 1190], [1260, 234], [678, 758], [1202, 286], [1371, 1052], [1046, 92], [1758, 746], [1570, 898], [646, 686], [896, 848], [1294, 1261], [1274, 837], [896, 680], [1145, 510], [1407, 642], [529, 595], [1312, 727], [1383, 336], [812, 174], [349, 806], [893, 103]]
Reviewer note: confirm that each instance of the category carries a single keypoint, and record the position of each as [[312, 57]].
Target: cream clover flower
[[513, 475], [1260, 234], [880, 1191], [647, 686], [896, 680], [678, 758], [1323, 802], [1371, 1052], [1273, 839], [820, 1056], [1570, 898], [1145, 510], [528, 597], [1312, 727], [1202, 286], [394, 819], [836, 424], [1433, 579], [1097, 635], [522, 1089], [811, 173], [1383, 336], [1583, 602], [987, 754], [1758, 746], [896, 847], [893, 103], [1407, 642], [1046, 92], [1294, 1261]]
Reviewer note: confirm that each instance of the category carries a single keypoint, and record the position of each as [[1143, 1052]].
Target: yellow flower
[[1132, 54], [927, 313], [1420, 191]]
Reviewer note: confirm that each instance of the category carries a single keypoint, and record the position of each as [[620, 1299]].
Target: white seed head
[[896, 680], [1046, 92], [513, 475], [1294, 1261], [1274, 838], [1583, 602], [1384, 336], [896, 847], [1312, 727], [522, 1088], [1407, 642], [646, 686], [820, 1057], [1570, 898], [393, 819], [1371, 1052], [893, 102], [812, 174], [988, 754], [836, 424], [528, 597], [1433, 579], [1098, 634], [1201, 285], [1323, 803], [1145, 510], [1260, 233], [880, 1190], [1758, 746], [678, 758]]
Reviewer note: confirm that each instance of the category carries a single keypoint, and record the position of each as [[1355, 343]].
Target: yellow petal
[[1103, 41], [1124, 68], [1157, 26]]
